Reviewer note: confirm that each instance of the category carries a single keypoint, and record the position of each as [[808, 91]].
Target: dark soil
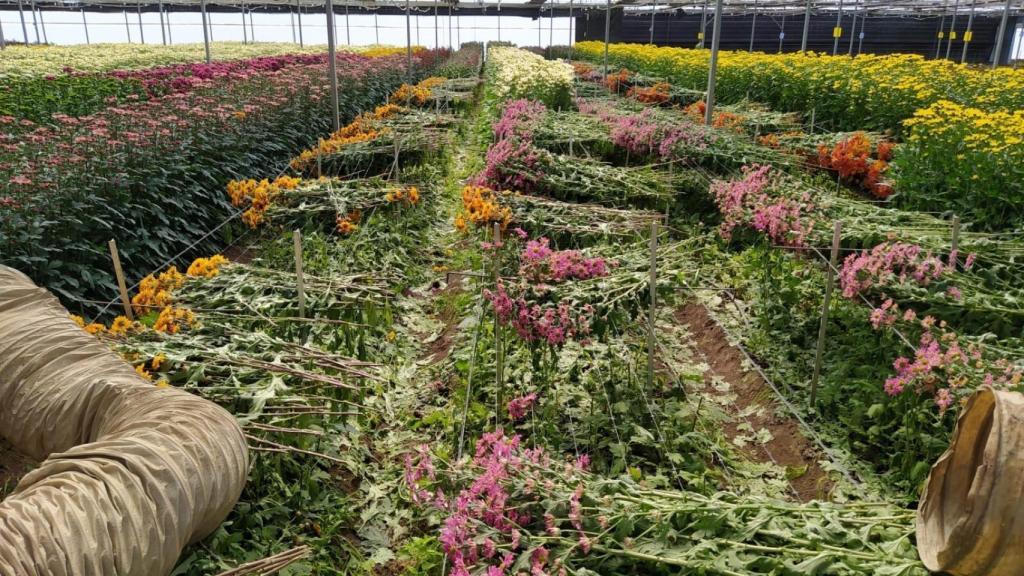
[[788, 446], [239, 254]]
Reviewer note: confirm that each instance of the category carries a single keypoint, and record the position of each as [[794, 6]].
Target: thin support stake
[[954, 244], [298, 8], [122, 287], [829, 279], [499, 350], [652, 303], [713, 70], [299, 281]]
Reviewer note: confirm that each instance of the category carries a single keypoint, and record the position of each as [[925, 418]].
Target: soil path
[[754, 403]]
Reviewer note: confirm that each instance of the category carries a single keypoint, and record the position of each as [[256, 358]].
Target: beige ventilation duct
[[971, 518], [132, 473]]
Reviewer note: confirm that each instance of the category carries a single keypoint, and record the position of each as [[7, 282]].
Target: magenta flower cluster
[[892, 263], [518, 407], [554, 324], [539, 263], [746, 202], [643, 134], [519, 118], [512, 164], [486, 522]]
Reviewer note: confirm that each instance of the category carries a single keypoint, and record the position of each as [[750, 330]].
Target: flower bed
[[152, 175], [875, 92]]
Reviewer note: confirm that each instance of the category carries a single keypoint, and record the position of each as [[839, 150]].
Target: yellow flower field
[[875, 92]]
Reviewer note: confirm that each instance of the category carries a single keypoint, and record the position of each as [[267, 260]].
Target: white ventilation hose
[[132, 473]]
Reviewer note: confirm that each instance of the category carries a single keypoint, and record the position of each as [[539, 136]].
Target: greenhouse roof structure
[[908, 8]]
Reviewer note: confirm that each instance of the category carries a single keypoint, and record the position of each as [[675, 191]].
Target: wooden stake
[[829, 279], [299, 282], [395, 168], [121, 286], [955, 243], [499, 350], [652, 303]]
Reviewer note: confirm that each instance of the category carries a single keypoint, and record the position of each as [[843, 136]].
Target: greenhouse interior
[[511, 288]]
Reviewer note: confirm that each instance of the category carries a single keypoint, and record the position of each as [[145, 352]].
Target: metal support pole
[[451, 44], [298, 8], [24, 27], [163, 33], [551, 27], [408, 44], [418, 43], [376, 30], [782, 32], [860, 35], [35, 25], [437, 29], [252, 25], [571, 37], [540, 23], [703, 25], [3, 41], [608, 31], [127, 27], [348, 30], [85, 27], [853, 34], [829, 279], [942, 24], [499, 20], [838, 31], [291, 17], [968, 34], [654, 11], [713, 70], [142, 33], [170, 37], [332, 65], [952, 29], [42, 23], [206, 32], [807, 26], [999, 37], [753, 26], [245, 33]]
